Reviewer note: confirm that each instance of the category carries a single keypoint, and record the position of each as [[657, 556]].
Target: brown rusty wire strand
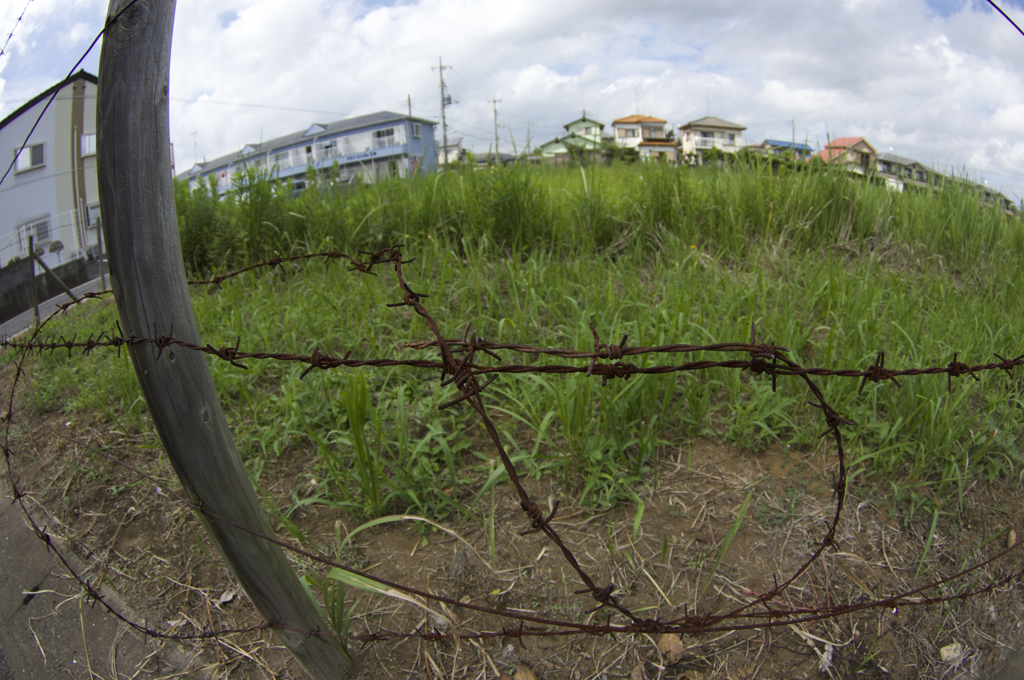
[[685, 625], [463, 374]]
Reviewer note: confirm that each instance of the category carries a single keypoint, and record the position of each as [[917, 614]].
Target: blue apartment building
[[381, 144]]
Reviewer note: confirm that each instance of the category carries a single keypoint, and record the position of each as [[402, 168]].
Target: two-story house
[[902, 169], [582, 139], [376, 145], [853, 153], [710, 132], [51, 192], [647, 135]]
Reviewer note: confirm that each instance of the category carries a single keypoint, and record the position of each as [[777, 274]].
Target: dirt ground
[[134, 536]]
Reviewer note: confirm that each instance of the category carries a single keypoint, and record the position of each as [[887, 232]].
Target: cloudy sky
[[941, 81]]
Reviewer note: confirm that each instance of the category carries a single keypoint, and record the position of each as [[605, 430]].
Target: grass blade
[[728, 540], [928, 542]]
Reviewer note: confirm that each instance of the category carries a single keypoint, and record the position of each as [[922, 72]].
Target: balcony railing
[[717, 142]]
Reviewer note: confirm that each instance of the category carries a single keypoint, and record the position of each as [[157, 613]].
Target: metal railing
[[67, 238]]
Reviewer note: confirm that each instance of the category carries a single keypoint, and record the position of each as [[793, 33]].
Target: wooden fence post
[[148, 279]]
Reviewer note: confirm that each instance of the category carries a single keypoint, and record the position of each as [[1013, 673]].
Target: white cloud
[[937, 81]]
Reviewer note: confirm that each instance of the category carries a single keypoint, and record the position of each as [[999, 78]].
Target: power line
[[479, 92], [259, 106], [1006, 16], [467, 134], [67, 78], [14, 28], [473, 127]]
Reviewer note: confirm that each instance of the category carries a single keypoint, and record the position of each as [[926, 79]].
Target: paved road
[[26, 319], [47, 632]]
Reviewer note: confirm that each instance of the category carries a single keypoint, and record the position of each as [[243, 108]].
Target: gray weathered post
[[148, 279]]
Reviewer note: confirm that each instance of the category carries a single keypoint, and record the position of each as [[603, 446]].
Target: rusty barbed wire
[[605, 361], [687, 624]]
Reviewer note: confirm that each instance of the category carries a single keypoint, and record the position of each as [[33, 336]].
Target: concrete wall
[[16, 284]]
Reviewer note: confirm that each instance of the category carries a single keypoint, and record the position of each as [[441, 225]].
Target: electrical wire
[[1006, 16], [14, 28], [259, 106], [74, 68]]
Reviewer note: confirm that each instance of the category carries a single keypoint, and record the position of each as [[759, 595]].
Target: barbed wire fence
[[457, 361]]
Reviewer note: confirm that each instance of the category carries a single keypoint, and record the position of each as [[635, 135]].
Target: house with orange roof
[[710, 132], [853, 153], [647, 135]]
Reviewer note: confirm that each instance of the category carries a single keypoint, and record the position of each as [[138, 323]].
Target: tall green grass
[[728, 213], [833, 268]]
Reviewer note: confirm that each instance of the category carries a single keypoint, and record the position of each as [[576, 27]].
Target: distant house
[[582, 139], [487, 158], [647, 135], [52, 192], [376, 145], [778, 147], [899, 171], [453, 151], [853, 153], [989, 196], [710, 132]]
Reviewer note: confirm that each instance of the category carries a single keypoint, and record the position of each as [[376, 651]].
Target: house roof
[[638, 119], [898, 160], [457, 142], [830, 153], [786, 145], [843, 142], [839, 145], [584, 119], [329, 129], [575, 139], [714, 122], [78, 75]]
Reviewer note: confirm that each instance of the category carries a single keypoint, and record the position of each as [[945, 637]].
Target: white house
[[453, 151], [51, 192], [647, 135], [710, 132]]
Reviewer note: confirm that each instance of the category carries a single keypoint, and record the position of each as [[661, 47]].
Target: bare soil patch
[[137, 539]]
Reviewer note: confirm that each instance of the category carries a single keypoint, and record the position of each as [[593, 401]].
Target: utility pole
[[444, 126], [527, 138], [408, 100], [794, 135], [494, 103]]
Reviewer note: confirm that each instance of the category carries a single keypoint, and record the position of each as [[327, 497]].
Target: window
[[383, 138], [88, 145], [38, 230], [732, 138], [330, 148], [417, 129], [93, 215], [30, 157], [630, 132]]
